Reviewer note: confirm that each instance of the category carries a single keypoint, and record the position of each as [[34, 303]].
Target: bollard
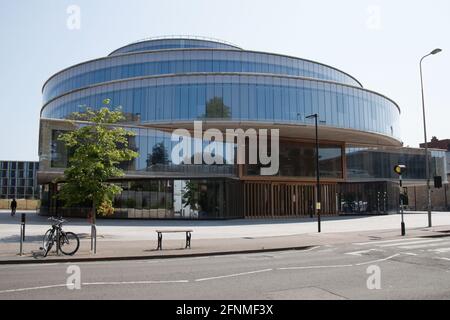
[[21, 239], [22, 233], [93, 238], [23, 218]]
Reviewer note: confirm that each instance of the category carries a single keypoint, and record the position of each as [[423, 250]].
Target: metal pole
[[401, 207], [21, 239], [318, 203], [93, 230], [58, 234], [23, 218], [427, 169], [93, 238]]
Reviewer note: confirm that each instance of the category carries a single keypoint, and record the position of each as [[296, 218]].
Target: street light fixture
[[317, 204], [427, 165]]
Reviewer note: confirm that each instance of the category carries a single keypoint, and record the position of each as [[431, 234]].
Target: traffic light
[[438, 182], [400, 169]]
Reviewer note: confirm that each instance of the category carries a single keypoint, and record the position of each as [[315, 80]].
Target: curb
[[168, 256]]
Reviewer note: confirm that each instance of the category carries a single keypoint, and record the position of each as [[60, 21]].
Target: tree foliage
[[97, 148]]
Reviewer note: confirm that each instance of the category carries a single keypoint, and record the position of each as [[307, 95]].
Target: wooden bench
[[188, 236]]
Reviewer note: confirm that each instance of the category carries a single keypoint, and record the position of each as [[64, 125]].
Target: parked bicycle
[[67, 242]]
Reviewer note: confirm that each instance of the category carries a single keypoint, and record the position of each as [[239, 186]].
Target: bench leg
[[188, 240], [159, 241]]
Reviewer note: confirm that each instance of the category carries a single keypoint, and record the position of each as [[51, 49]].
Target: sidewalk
[[132, 239]]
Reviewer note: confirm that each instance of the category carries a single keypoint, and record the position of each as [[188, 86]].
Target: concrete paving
[[132, 230], [136, 239]]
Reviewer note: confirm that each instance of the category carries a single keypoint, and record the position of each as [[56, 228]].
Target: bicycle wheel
[[69, 243], [47, 242]]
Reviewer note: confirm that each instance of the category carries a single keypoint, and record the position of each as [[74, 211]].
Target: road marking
[[440, 250], [34, 288], [359, 253], [442, 258], [379, 260], [384, 241], [316, 267], [425, 245], [233, 275], [409, 253], [306, 250], [132, 282], [409, 243], [94, 284]]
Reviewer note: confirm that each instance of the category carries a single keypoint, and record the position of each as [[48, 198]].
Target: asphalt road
[[402, 269]]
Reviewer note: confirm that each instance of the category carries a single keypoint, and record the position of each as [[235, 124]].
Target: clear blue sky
[[379, 42]]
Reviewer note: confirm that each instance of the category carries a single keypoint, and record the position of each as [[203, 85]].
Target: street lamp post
[[317, 205], [427, 165]]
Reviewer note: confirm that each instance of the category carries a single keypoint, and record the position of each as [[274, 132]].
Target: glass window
[[252, 101], [285, 103], [235, 104], [244, 101], [308, 98], [327, 104], [227, 100], [277, 103], [184, 112], [159, 102], [321, 99], [269, 104], [201, 100], [315, 98], [292, 104], [192, 104]]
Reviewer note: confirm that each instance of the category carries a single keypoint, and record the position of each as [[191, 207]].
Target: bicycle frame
[[56, 234]]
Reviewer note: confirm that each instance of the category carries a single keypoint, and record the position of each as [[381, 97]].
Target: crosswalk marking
[[412, 242], [441, 245], [426, 245], [443, 258], [440, 250], [385, 241]]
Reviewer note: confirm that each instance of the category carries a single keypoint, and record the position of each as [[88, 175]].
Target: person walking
[[13, 207]]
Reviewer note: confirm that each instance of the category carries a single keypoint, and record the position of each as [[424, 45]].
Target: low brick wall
[[418, 198], [22, 204]]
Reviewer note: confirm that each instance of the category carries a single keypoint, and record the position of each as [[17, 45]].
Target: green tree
[[97, 148]]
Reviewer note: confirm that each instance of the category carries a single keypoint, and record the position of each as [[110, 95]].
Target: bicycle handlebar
[[56, 219]]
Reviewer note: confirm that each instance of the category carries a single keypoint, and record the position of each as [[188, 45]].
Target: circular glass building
[[163, 84]]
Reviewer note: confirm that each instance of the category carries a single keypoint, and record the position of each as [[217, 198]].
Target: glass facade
[[162, 199], [367, 163], [155, 155], [18, 180], [299, 160], [241, 98], [186, 61]]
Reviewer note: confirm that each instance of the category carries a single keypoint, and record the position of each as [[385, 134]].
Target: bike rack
[[57, 242]]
